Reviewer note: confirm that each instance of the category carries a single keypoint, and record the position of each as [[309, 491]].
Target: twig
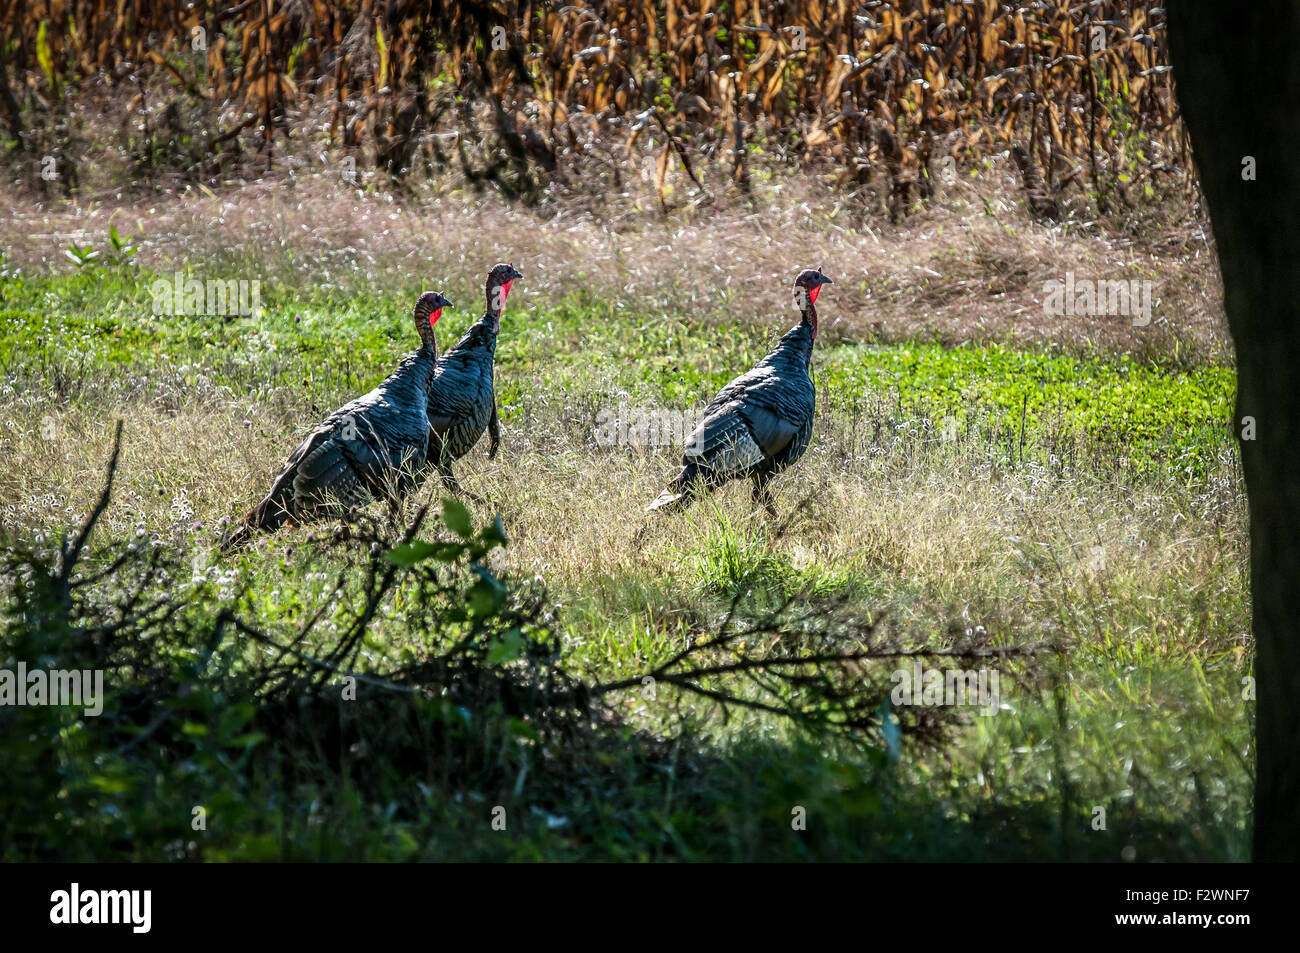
[[70, 555]]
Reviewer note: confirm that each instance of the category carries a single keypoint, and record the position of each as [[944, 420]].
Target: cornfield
[[525, 94]]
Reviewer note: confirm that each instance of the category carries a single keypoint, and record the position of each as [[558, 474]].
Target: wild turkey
[[462, 400], [371, 447], [761, 422]]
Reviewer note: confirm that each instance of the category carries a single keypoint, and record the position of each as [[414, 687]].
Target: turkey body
[[462, 396], [757, 426], [371, 447], [461, 401], [762, 421]]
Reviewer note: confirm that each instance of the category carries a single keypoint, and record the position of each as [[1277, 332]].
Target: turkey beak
[[826, 280]]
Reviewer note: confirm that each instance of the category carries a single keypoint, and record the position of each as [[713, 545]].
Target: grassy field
[[1059, 498]]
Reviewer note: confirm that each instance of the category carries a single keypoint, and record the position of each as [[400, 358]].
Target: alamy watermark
[[129, 907], [179, 295], [1099, 297], [73, 687], [645, 427], [947, 687]]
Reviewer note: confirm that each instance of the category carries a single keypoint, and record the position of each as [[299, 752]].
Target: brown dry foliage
[[869, 86]]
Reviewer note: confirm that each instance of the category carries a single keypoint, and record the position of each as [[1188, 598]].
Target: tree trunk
[[1238, 83]]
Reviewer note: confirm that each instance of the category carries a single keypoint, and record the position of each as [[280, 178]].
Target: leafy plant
[[83, 256], [121, 252]]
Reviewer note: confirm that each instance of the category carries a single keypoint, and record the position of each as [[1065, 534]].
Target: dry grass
[[954, 272], [1139, 575], [936, 537], [969, 268]]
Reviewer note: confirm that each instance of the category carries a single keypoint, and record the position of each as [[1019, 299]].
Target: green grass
[[1171, 416], [929, 530], [100, 318]]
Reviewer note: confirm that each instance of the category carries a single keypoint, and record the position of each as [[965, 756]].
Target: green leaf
[[523, 730], [236, 717], [46, 58], [108, 785], [456, 516], [507, 648], [248, 740], [495, 534], [487, 596], [405, 841], [408, 554], [82, 256]]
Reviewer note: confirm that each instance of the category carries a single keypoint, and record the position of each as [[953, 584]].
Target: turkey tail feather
[[236, 538], [678, 493], [669, 501], [269, 515]]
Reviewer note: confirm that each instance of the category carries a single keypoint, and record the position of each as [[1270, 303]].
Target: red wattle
[[813, 293], [434, 316]]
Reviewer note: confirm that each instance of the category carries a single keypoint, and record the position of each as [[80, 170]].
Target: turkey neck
[[428, 350], [810, 318], [428, 342], [415, 370], [799, 339], [492, 316]]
